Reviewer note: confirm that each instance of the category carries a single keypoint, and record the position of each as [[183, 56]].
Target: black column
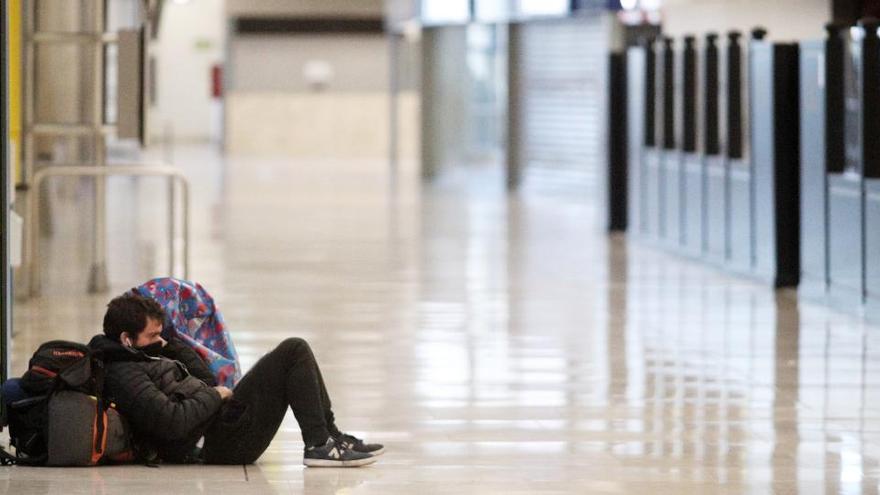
[[734, 96], [835, 138], [871, 96], [689, 96], [712, 144], [617, 145], [650, 92], [668, 94], [786, 158], [846, 11]]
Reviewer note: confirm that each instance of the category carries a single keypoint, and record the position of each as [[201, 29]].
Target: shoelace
[[341, 445], [349, 441]]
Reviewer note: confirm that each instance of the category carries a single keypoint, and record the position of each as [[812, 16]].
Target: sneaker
[[354, 443], [335, 454]]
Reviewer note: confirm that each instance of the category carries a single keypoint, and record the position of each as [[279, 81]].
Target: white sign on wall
[[446, 11]]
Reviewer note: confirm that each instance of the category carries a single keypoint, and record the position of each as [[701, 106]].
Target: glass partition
[[486, 99]]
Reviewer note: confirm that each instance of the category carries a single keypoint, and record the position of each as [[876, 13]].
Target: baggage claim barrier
[[709, 178], [840, 204], [762, 158], [174, 176]]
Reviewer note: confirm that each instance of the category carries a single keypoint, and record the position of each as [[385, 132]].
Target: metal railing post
[[184, 187], [33, 224], [172, 220], [98, 273]]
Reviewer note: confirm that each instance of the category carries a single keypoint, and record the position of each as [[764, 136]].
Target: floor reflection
[[496, 343]]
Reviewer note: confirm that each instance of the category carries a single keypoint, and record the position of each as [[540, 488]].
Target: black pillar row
[[707, 182], [845, 251], [840, 119]]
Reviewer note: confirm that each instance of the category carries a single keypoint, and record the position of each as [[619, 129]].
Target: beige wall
[[784, 19], [305, 8], [358, 62], [192, 38], [274, 107], [323, 125]]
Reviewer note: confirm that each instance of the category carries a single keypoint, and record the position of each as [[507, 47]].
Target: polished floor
[[494, 343]]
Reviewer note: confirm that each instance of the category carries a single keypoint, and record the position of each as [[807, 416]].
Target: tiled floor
[[496, 344]]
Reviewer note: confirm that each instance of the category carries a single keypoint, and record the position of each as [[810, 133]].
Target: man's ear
[[125, 339]]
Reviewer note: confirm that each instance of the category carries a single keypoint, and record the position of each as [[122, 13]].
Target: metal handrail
[[74, 129], [67, 37], [172, 173]]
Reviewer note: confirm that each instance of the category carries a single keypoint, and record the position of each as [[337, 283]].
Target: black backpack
[[64, 419]]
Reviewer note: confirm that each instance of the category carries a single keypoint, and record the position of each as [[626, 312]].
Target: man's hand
[[224, 392]]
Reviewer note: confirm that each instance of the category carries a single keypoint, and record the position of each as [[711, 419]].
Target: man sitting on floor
[[172, 400]]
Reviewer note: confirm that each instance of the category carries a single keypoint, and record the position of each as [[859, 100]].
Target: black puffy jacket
[[167, 406]]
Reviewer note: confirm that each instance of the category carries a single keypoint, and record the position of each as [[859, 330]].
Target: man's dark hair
[[129, 313]]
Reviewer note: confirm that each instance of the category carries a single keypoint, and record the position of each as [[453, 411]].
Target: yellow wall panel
[[15, 100]]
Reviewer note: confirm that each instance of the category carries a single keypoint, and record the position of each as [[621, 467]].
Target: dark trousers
[[286, 377]]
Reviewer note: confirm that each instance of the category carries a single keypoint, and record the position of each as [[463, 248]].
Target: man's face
[[152, 334]]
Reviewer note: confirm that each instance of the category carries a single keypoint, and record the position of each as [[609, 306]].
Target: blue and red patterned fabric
[[191, 313]]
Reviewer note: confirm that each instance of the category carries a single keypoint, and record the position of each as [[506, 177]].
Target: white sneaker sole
[[337, 464], [378, 452]]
